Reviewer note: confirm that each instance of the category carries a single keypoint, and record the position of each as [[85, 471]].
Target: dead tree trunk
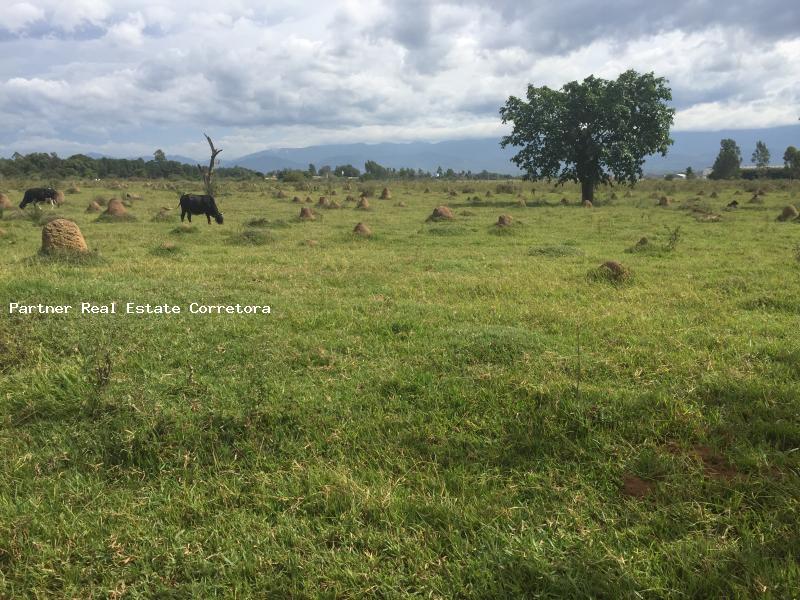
[[208, 173]]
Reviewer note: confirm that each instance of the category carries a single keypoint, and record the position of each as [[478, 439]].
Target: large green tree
[[791, 160], [346, 171], [728, 161], [760, 157], [590, 131]]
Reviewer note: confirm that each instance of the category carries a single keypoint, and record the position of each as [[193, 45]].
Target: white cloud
[[129, 32], [19, 15], [362, 70]]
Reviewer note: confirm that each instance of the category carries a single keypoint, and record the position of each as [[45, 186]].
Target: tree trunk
[[587, 191], [208, 174]]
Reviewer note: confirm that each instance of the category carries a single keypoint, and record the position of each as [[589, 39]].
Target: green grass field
[[445, 409]]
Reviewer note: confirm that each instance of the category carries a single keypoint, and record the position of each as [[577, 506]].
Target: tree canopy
[[728, 161], [791, 160], [590, 131], [52, 167], [760, 157]]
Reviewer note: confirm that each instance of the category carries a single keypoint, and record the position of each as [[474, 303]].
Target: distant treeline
[[373, 170], [767, 173], [79, 166], [42, 165]]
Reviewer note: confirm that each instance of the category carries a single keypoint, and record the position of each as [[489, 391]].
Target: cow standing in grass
[[36, 195], [195, 204]]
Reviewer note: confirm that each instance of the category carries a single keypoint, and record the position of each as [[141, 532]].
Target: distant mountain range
[[696, 149], [464, 155]]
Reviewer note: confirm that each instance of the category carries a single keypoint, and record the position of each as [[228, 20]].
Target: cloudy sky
[[127, 76]]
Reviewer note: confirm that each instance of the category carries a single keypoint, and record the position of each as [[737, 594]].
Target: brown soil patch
[[713, 194], [59, 199], [664, 201], [363, 204], [715, 465], [322, 202], [521, 203], [788, 213], [5, 202], [62, 235], [441, 213], [280, 195], [401, 204], [94, 207], [636, 487], [587, 204], [133, 196], [733, 204], [362, 230], [311, 243], [642, 242], [564, 201], [349, 199], [504, 221], [615, 267], [386, 194], [612, 271], [309, 200], [426, 191], [306, 214], [164, 214], [116, 208], [296, 200]]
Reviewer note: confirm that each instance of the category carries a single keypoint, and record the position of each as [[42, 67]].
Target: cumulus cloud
[[19, 15], [95, 74]]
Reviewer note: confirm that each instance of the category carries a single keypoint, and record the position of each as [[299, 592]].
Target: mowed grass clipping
[[434, 411]]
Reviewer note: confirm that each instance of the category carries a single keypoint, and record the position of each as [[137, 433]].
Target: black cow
[[36, 195], [192, 204]]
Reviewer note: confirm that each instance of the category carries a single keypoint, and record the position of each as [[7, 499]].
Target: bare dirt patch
[[636, 487]]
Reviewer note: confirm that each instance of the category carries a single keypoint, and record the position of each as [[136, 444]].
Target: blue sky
[[125, 77]]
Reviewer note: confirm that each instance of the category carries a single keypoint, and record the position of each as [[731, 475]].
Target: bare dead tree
[[208, 173]]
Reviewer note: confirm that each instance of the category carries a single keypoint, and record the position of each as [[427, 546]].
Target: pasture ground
[[444, 409]]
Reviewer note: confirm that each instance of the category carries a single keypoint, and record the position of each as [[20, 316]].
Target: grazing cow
[[192, 204], [36, 195]]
